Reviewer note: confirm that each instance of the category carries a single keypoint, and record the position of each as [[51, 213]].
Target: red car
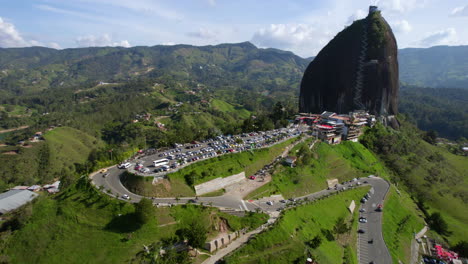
[[252, 177], [379, 208]]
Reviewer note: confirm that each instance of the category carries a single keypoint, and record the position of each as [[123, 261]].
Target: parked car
[[361, 231], [252, 177], [105, 175], [124, 165], [270, 203], [379, 208]]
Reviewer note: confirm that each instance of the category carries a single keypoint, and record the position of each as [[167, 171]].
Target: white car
[[126, 197]]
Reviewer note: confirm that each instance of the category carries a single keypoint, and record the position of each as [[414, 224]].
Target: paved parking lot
[[173, 159]]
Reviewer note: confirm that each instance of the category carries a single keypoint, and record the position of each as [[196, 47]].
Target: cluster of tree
[[442, 110]]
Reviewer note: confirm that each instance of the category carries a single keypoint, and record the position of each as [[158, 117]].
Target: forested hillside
[[26, 70], [444, 110], [440, 66]]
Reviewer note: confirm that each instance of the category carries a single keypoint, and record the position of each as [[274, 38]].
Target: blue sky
[[303, 27]]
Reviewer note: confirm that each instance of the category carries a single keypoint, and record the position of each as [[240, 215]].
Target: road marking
[[243, 204]]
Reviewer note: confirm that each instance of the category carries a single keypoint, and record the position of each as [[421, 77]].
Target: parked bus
[[160, 162]]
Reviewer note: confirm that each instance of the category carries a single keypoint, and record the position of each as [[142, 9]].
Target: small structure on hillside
[[290, 161], [13, 199], [332, 183], [352, 206]]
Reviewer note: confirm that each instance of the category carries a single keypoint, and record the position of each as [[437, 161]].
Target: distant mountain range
[[243, 65], [25, 70]]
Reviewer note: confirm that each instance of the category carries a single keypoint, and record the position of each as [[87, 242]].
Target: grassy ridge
[[45, 160], [69, 145], [82, 225], [229, 108], [343, 162], [286, 241], [401, 220], [434, 177]]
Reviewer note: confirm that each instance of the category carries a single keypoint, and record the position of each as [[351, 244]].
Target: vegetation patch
[[324, 230], [435, 178], [344, 162], [401, 220], [83, 225]]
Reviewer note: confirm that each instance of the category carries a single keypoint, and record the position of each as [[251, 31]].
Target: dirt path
[[13, 129]]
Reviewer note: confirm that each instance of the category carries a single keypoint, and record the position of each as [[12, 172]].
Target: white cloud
[[100, 41], [10, 37], [303, 39], [460, 11], [402, 26], [212, 2], [54, 45], [399, 6], [442, 37], [358, 14], [202, 33]]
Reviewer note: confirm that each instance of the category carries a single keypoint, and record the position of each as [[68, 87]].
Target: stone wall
[[220, 241], [218, 183]]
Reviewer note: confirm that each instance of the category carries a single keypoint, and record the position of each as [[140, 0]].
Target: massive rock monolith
[[358, 69]]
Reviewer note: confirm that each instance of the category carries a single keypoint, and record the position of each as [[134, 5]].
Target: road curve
[[375, 252]]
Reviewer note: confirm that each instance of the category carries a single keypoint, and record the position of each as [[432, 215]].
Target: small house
[[290, 161]]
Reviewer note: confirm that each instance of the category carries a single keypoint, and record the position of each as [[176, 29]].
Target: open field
[[288, 241]]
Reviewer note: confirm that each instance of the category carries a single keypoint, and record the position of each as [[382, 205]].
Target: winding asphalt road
[[375, 252]]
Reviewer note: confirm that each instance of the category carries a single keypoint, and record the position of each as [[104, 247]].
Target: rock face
[[358, 69]]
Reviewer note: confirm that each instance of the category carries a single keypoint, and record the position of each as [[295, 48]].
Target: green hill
[[43, 161], [440, 66], [33, 69], [436, 179], [83, 225]]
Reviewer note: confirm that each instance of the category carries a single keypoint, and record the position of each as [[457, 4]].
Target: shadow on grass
[[123, 224]]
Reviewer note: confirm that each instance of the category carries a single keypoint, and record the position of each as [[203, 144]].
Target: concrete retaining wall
[[220, 242], [218, 183]]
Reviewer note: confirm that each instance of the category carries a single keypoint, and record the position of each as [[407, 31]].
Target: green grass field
[[43, 161], [344, 162], [286, 241], [401, 220], [229, 108], [68, 145], [203, 171], [82, 225]]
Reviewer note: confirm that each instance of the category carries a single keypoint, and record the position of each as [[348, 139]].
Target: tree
[[431, 136], [144, 211], [462, 248], [195, 233], [315, 242], [437, 223]]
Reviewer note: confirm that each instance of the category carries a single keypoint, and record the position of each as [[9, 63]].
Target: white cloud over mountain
[[100, 41], [10, 37], [299, 38], [442, 37]]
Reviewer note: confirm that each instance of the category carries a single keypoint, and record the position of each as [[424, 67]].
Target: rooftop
[[14, 199]]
